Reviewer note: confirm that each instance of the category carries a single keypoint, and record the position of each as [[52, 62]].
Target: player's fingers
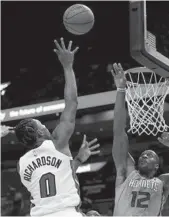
[[57, 45], [113, 73], [63, 43], [70, 46], [95, 152], [75, 50], [84, 139], [120, 67], [56, 51], [7, 127], [115, 67], [94, 147], [92, 142], [83, 145], [11, 128]]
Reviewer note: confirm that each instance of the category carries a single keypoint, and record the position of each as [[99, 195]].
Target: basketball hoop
[[145, 95]]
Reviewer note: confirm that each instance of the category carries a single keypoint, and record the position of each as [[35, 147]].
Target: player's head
[[148, 163], [30, 131]]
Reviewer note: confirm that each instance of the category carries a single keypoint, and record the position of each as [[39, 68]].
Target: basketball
[[78, 19]]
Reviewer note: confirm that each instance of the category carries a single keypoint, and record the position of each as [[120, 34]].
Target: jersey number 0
[[47, 185]]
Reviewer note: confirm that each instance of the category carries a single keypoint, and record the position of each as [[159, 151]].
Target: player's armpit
[[122, 172], [121, 175]]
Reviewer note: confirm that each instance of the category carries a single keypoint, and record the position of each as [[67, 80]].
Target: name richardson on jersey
[[40, 162]]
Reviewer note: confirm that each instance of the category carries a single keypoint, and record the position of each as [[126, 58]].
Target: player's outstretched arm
[[123, 161], [86, 150], [64, 130]]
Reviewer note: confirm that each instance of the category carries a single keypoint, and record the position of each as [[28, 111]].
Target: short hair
[[26, 132]]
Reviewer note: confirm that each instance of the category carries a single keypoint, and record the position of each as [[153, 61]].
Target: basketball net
[[145, 97]]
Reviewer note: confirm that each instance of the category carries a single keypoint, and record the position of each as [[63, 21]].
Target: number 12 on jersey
[[138, 198]]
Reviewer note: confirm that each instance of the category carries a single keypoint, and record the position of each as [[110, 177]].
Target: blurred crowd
[[12, 204]]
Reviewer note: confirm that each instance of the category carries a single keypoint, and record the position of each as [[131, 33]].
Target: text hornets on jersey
[[150, 184], [38, 162]]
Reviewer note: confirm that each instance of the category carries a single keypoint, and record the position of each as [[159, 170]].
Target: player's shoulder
[[25, 155], [158, 180], [133, 174], [48, 147], [32, 152], [53, 145]]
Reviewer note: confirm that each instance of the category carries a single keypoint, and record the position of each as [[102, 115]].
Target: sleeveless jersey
[[139, 196], [48, 176]]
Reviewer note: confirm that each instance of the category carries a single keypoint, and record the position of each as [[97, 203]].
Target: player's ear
[[157, 166]]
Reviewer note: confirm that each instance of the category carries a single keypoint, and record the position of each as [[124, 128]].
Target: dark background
[[28, 31]]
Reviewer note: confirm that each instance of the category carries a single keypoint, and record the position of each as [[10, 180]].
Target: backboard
[[144, 46]]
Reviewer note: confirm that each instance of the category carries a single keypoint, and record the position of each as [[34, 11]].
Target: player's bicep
[[124, 170], [165, 179], [65, 128], [120, 150], [130, 164], [69, 113], [63, 132]]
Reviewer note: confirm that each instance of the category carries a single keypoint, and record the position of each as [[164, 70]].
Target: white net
[[145, 95]]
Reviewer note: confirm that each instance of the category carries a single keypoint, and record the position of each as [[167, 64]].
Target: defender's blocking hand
[[118, 75]]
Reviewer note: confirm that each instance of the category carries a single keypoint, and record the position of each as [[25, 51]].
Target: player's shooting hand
[[164, 139], [5, 130], [119, 75], [65, 55], [87, 149]]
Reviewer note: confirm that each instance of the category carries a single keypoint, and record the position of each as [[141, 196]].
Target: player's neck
[[39, 142], [147, 175]]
